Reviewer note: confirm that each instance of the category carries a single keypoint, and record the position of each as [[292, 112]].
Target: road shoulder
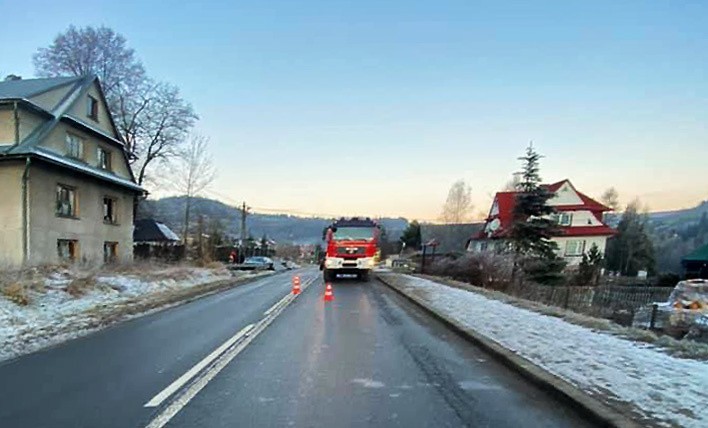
[[101, 310], [591, 406]]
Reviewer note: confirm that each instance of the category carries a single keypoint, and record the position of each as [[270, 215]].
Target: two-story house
[[579, 218], [67, 192]]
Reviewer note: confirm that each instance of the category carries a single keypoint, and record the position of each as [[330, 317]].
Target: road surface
[[369, 358]]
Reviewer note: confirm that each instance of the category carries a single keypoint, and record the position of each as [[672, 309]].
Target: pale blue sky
[[377, 107]]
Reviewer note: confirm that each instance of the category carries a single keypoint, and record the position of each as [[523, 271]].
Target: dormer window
[[104, 159], [92, 108], [563, 219], [74, 146]]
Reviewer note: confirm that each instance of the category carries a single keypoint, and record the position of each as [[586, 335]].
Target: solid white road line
[[193, 389], [281, 301], [177, 384], [278, 303]]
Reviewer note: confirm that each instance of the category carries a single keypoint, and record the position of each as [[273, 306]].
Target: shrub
[[486, 270], [80, 286], [544, 270], [17, 293]]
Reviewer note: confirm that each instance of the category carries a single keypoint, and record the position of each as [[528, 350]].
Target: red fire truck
[[352, 248]]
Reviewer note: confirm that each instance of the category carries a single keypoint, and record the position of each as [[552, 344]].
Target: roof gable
[[71, 108], [563, 194], [103, 121], [150, 230], [566, 198], [28, 88]]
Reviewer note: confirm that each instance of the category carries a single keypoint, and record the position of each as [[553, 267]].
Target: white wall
[[600, 241], [583, 218], [565, 195]]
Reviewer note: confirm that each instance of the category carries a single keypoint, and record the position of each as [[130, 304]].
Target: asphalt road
[[103, 380], [369, 358]]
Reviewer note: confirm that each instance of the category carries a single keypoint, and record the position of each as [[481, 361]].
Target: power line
[[290, 211]]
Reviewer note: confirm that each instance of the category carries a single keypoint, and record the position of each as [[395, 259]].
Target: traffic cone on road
[[296, 285], [329, 295]]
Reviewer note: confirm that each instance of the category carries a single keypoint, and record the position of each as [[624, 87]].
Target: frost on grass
[[41, 307], [663, 387]]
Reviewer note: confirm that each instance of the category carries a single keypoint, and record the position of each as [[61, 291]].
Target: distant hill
[[281, 228], [663, 219], [674, 234]]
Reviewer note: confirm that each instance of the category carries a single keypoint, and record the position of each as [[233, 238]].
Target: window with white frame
[[574, 247], [565, 219], [74, 146], [104, 158]]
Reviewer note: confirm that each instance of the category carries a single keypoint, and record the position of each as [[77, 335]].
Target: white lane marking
[[177, 384], [193, 389], [278, 303]]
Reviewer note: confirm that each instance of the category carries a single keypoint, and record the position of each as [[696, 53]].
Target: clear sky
[[377, 107]]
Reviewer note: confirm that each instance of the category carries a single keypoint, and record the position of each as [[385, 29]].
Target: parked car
[[257, 263]]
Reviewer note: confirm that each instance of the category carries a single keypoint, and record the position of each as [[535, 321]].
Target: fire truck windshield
[[352, 233]]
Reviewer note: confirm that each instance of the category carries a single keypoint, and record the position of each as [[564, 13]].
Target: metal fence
[[615, 302]]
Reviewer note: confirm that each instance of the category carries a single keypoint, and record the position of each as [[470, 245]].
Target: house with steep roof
[[579, 219], [68, 192]]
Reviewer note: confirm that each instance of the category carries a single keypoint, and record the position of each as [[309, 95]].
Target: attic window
[[104, 158], [92, 108]]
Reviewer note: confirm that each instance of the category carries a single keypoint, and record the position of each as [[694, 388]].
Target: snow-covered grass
[[619, 371], [679, 348], [44, 306]]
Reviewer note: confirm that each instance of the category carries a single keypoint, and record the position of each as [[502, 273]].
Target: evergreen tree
[[589, 268], [411, 236], [631, 250], [532, 227]]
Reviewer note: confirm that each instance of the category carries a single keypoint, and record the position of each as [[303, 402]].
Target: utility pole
[[244, 213], [200, 250]]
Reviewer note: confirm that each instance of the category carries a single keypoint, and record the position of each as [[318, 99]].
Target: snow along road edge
[[588, 405]]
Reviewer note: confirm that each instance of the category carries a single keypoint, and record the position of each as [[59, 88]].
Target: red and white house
[[579, 217]]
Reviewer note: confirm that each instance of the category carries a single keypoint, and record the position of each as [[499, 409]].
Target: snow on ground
[[54, 315], [665, 388]]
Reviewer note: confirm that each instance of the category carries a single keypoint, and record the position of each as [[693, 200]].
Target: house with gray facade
[[67, 192]]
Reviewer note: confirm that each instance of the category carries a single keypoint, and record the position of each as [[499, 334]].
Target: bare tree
[[154, 121], [511, 185], [194, 172], [610, 198], [458, 206], [100, 51], [151, 117]]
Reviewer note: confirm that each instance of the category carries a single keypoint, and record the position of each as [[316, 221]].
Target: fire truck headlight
[[332, 263]]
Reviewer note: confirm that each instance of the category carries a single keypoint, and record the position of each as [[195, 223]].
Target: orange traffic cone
[[329, 295], [296, 285]]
